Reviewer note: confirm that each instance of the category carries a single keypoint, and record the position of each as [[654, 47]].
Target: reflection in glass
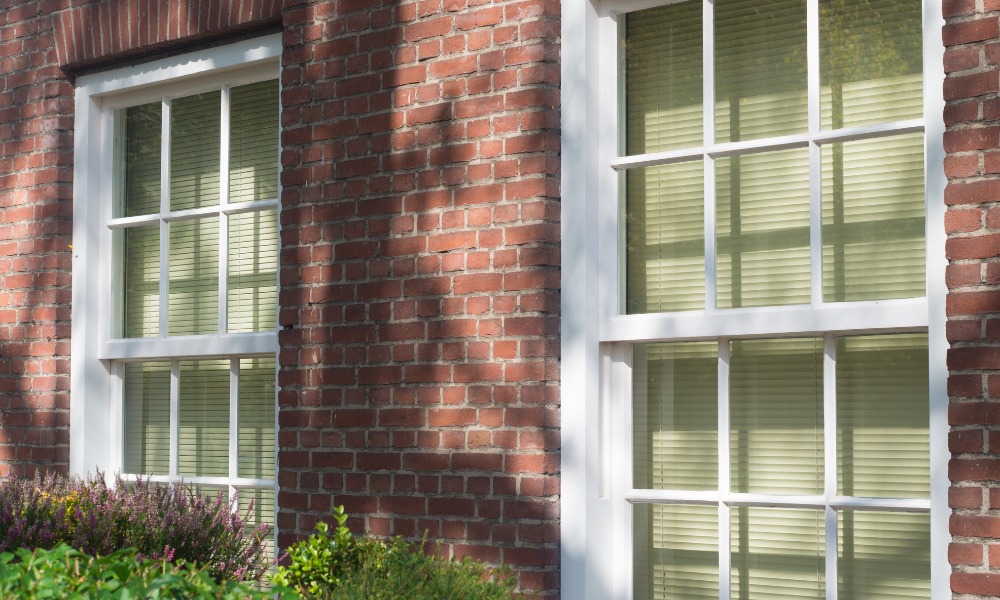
[[675, 420], [762, 229], [676, 552]]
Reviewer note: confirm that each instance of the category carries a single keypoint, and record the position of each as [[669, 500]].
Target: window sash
[[617, 330]]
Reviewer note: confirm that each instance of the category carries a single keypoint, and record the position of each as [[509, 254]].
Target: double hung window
[[766, 311], [181, 236]]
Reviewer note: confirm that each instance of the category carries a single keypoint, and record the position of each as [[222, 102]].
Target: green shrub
[[156, 520], [345, 567], [63, 572]]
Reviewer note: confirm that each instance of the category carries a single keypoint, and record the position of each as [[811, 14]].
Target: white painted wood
[[245, 207], [175, 418], [192, 346], [164, 226], [708, 138], [234, 423], [799, 320], [725, 557], [934, 185], [830, 456]]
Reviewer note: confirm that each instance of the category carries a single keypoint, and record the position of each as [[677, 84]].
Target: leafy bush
[[63, 572], [346, 567], [155, 520]]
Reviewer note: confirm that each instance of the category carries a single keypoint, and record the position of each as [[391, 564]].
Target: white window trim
[[594, 563], [95, 406]]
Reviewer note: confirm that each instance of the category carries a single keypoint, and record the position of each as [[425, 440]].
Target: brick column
[[419, 281], [972, 139]]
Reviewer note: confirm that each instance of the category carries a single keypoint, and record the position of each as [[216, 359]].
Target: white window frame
[[596, 337], [97, 355]]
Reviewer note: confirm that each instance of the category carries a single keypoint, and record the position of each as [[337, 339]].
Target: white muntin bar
[[708, 136], [223, 201], [234, 423], [724, 483], [244, 207], [815, 154], [175, 417], [164, 208], [830, 459]]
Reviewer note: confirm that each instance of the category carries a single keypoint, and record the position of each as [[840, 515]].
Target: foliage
[[63, 572], [155, 520], [346, 567]]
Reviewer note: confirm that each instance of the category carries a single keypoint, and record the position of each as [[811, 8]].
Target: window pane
[[194, 277], [141, 281], [760, 69], [256, 418], [142, 160], [870, 62], [253, 142], [204, 418], [147, 418], [763, 229], [663, 91], [777, 553], [261, 511], [665, 255], [675, 552], [675, 416], [195, 123], [873, 205], [883, 416], [776, 416], [253, 267], [883, 556]]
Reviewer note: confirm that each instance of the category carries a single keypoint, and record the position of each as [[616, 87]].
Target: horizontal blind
[[762, 225], [258, 505], [141, 281], [675, 416], [203, 444], [195, 130], [142, 160], [777, 554], [776, 416], [253, 142], [146, 422], [870, 62], [253, 271], [760, 69], [665, 252], [663, 65], [873, 205], [883, 446], [675, 552], [256, 418], [193, 303], [883, 556]]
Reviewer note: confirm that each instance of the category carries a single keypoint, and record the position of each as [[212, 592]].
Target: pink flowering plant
[[174, 523]]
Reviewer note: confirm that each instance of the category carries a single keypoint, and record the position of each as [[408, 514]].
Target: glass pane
[[776, 416], [777, 553], [883, 416], [760, 69], [258, 505], [675, 552], [871, 64], [663, 91], [141, 281], [253, 142], [147, 418], [883, 556], [665, 255], [763, 229], [253, 271], [675, 416], [143, 129], [256, 418], [195, 129], [203, 448], [193, 305], [873, 205]]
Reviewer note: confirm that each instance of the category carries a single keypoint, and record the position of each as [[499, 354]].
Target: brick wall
[[36, 120], [972, 143], [419, 283]]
